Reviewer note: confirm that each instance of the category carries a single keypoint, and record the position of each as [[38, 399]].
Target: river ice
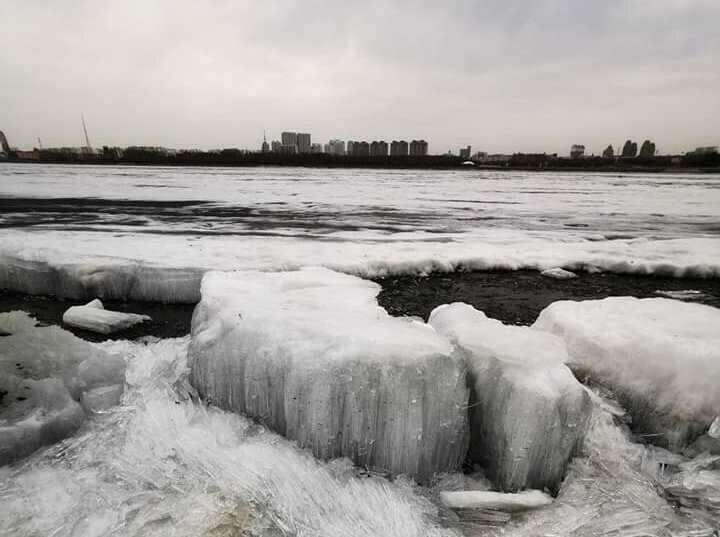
[[149, 233], [163, 463]]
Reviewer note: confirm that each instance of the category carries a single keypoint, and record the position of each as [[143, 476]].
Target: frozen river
[[366, 222], [162, 463]]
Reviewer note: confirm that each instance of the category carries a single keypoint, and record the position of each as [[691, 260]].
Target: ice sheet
[[311, 355], [94, 317], [661, 357]]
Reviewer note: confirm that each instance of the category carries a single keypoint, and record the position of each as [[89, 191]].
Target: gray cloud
[[502, 76]]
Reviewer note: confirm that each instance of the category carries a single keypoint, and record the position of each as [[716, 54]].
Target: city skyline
[[520, 77]]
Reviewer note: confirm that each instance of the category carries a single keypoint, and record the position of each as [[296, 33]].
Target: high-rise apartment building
[[289, 138], [418, 148], [399, 148], [335, 147], [379, 149], [465, 152], [303, 142]]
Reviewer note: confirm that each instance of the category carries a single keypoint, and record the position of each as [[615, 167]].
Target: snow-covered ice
[[363, 222], [94, 317], [46, 374], [528, 413], [661, 358], [311, 355]]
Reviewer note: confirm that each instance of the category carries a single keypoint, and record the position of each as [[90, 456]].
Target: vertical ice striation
[[660, 357], [528, 413], [312, 356], [47, 377]]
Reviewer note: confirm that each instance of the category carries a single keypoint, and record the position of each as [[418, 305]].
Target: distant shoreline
[[434, 162]]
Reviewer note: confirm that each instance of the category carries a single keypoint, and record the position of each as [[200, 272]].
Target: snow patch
[[558, 273]]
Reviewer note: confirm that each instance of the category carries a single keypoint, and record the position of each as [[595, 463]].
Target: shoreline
[[513, 297], [384, 166]]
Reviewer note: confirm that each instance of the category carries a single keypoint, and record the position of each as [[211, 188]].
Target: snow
[[527, 412], [311, 355], [558, 273], [44, 373], [362, 222], [714, 429], [94, 317], [661, 357], [483, 499]]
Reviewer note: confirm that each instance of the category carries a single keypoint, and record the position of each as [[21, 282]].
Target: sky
[[502, 76]]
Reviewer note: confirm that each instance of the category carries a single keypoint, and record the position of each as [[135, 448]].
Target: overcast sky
[[504, 76]]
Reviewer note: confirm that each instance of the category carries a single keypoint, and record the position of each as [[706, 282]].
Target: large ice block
[[95, 318], [660, 357], [45, 372], [528, 413], [310, 354]]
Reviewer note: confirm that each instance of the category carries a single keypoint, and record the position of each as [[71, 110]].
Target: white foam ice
[[311, 355], [558, 273], [528, 413], [46, 374], [660, 357], [162, 465], [94, 317]]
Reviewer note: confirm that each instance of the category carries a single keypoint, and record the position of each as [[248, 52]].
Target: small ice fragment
[[558, 273], [685, 294], [714, 430], [95, 318], [483, 499]]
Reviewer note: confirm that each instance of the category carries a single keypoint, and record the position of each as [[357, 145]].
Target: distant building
[[289, 138], [609, 152], [288, 149], [418, 148], [465, 153], [497, 159], [27, 155], [303, 142], [480, 156], [360, 149], [629, 149], [335, 147], [399, 149], [275, 146], [379, 149], [265, 147], [350, 147], [316, 148], [647, 149], [577, 151]]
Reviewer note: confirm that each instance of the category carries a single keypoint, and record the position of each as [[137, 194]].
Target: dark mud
[[517, 297]]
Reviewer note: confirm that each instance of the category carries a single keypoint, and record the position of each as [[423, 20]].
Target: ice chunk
[[527, 411], [44, 372], [661, 358], [558, 273], [92, 316], [34, 413], [310, 354], [483, 499], [714, 429]]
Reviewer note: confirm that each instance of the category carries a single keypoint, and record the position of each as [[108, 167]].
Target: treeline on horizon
[[237, 157]]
